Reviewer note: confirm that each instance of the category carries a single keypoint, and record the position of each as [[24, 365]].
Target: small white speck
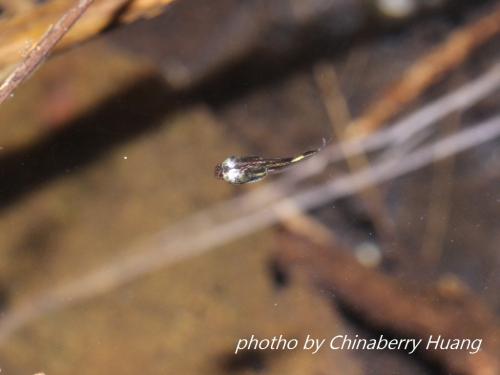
[[368, 254], [397, 8], [275, 304], [125, 157]]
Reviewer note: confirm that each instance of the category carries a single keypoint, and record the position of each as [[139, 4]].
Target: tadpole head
[[218, 171]]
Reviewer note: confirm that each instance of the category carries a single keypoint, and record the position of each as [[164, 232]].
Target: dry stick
[[203, 232], [42, 49], [14, 34], [457, 48]]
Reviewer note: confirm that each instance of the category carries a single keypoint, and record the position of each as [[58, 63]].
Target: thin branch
[[42, 49], [408, 127], [14, 35], [427, 70], [206, 230]]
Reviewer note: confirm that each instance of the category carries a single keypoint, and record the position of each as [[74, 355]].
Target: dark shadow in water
[[132, 112], [279, 275]]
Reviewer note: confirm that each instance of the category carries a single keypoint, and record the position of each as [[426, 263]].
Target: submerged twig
[[387, 303], [42, 49], [427, 70], [409, 126]]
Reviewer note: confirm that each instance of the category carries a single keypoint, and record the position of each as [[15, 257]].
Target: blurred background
[[121, 253]]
